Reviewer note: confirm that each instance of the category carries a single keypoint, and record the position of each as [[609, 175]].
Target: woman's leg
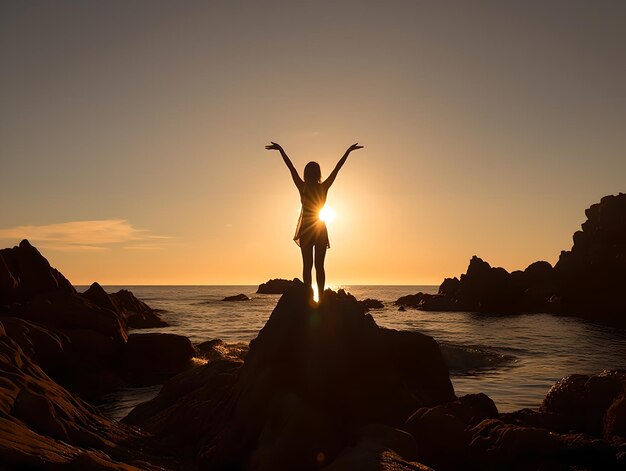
[[307, 263], [320, 274]]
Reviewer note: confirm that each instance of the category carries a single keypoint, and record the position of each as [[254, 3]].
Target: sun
[[327, 214]]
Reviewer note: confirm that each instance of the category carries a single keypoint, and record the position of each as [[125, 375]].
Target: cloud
[[83, 236]]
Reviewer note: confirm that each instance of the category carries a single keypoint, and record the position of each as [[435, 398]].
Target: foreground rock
[[153, 358], [314, 382], [587, 281], [43, 426], [275, 286]]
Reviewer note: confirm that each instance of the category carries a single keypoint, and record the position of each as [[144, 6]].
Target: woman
[[311, 230]]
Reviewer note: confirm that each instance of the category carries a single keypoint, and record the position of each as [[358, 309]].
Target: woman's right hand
[[354, 146], [274, 146]]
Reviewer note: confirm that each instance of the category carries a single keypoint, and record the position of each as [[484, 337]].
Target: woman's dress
[[311, 230]]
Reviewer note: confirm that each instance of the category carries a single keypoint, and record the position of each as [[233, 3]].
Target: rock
[[440, 436], [145, 320], [582, 401], [217, 349], [63, 310], [310, 381], [587, 281], [152, 358], [427, 302], [237, 297], [133, 311], [586, 452], [411, 300], [172, 413], [615, 418], [440, 431], [371, 304], [43, 426], [96, 294], [24, 273], [369, 454], [275, 286], [47, 348], [537, 419]]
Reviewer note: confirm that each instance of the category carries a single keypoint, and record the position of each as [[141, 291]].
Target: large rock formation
[[588, 281], [80, 340], [313, 383]]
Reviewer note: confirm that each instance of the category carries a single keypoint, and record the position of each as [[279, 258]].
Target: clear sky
[[132, 133]]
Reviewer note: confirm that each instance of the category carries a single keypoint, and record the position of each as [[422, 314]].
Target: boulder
[[275, 286], [427, 302], [153, 358], [440, 431], [237, 297], [496, 445], [217, 349], [582, 401], [372, 304]]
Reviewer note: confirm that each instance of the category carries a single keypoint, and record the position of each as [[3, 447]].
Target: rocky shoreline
[[318, 388], [587, 281]]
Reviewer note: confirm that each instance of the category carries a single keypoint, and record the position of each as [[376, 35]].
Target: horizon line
[[253, 284]]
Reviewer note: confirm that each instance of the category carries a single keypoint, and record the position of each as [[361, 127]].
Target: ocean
[[514, 359]]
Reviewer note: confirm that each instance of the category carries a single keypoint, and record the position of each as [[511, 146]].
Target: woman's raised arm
[[331, 178], [294, 173]]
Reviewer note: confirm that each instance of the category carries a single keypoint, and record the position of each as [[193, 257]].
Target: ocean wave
[[466, 359]]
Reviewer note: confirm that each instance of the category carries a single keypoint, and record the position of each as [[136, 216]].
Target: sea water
[[514, 359]]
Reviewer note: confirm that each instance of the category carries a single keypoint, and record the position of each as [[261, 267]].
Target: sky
[[132, 133]]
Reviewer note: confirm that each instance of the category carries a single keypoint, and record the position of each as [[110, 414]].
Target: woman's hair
[[312, 173]]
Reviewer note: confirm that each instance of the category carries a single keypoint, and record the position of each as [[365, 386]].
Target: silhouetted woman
[[311, 230]]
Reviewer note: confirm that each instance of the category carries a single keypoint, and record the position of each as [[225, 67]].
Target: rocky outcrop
[[236, 297], [24, 273], [135, 313], [312, 381], [587, 281], [592, 275], [80, 340], [275, 286]]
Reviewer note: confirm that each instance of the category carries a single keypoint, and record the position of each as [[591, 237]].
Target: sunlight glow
[[327, 214], [316, 293]]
